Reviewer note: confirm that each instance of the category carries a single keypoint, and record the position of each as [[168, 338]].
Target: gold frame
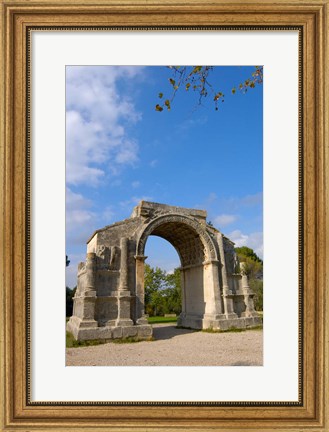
[[17, 413]]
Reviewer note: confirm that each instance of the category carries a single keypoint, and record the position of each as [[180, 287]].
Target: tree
[[253, 266], [196, 79], [248, 252], [69, 300], [162, 291], [154, 283], [69, 294], [173, 293], [257, 287]]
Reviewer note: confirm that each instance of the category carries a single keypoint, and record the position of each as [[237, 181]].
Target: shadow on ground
[[168, 331]]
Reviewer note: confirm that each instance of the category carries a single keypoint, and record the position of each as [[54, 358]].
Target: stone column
[[90, 276], [182, 315], [141, 318], [124, 295], [227, 293], [89, 295], [124, 265], [213, 308], [248, 294]]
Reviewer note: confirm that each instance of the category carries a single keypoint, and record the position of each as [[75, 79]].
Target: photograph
[[164, 215], [190, 203]]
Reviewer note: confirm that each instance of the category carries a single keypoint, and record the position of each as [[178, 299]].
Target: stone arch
[[190, 239], [109, 301], [201, 299]]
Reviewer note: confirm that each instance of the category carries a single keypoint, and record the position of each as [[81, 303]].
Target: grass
[[72, 343], [161, 319], [132, 339], [232, 330]]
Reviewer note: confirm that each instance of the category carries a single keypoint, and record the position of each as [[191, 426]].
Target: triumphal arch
[[109, 300]]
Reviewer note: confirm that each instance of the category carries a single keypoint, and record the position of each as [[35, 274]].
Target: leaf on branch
[[172, 81], [188, 85], [167, 103], [160, 95], [196, 69], [233, 90], [158, 108], [218, 96]]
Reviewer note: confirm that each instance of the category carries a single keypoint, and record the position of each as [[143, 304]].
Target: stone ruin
[[109, 300]]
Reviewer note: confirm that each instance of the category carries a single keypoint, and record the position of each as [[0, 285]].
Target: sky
[[120, 150]]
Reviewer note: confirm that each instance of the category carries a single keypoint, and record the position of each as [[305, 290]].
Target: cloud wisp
[[225, 219], [98, 117], [253, 240], [80, 219]]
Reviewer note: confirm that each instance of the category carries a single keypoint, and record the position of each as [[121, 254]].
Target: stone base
[[189, 321], [218, 322], [81, 331]]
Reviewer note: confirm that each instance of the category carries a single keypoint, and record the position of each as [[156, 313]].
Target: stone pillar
[[91, 270], [248, 294], [213, 307], [124, 265], [123, 294], [89, 294], [182, 315], [227, 293], [140, 291]]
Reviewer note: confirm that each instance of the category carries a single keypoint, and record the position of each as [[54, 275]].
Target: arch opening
[[184, 239], [162, 278], [196, 274]]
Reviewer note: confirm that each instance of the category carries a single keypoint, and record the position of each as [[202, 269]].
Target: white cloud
[[72, 269], [127, 154], [224, 219], [135, 184], [80, 220], [253, 240], [97, 120], [192, 122], [235, 203], [251, 200], [134, 201], [108, 214], [212, 197]]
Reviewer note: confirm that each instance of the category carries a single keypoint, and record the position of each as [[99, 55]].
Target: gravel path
[[175, 347]]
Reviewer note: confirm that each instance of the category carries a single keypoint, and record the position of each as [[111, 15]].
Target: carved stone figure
[[114, 258]]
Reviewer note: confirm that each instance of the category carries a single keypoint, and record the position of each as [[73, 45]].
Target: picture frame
[[311, 412]]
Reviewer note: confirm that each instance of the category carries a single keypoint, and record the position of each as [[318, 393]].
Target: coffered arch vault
[[191, 240]]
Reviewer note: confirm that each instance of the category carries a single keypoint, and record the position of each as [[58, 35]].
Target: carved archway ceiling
[[185, 240]]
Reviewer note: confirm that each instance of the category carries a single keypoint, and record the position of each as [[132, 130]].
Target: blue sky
[[119, 150]]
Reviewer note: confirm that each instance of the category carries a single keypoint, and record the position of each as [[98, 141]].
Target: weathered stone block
[[110, 292]]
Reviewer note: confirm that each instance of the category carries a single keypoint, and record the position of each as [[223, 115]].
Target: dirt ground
[[175, 347]]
